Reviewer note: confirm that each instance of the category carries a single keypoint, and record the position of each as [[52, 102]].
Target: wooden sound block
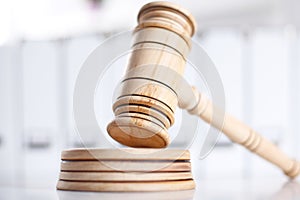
[[125, 154], [121, 176], [126, 186], [125, 166]]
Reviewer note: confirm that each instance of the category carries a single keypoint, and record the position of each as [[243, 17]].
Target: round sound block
[[137, 132], [121, 176], [125, 154], [125, 166], [126, 186]]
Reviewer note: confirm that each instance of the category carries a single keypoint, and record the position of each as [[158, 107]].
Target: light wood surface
[[183, 23], [156, 35], [138, 132], [125, 166], [151, 53], [126, 186], [121, 176], [161, 38], [240, 133], [125, 154]]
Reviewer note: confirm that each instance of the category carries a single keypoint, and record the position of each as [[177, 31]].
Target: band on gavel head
[[144, 109]]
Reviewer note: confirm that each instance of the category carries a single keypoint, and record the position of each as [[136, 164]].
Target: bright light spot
[[5, 19]]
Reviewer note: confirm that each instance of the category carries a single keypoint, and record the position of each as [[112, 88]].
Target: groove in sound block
[[121, 176], [125, 166]]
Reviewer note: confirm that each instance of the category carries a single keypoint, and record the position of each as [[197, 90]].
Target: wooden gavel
[[145, 107]]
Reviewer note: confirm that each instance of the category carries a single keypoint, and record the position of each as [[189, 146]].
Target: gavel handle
[[240, 133]]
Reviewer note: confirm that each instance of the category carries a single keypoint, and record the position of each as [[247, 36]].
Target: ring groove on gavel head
[[144, 109]]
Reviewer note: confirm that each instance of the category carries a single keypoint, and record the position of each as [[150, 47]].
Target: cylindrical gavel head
[[144, 109]]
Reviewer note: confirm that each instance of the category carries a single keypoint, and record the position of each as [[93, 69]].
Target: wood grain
[[138, 132], [147, 102], [127, 186]]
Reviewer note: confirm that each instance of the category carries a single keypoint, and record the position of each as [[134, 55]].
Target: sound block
[[125, 170]]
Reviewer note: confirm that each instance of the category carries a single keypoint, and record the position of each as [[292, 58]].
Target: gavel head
[[144, 108]]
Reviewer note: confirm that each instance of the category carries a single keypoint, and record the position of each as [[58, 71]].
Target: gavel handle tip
[[294, 171]]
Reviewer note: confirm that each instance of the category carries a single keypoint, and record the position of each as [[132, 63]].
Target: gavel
[[144, 109]]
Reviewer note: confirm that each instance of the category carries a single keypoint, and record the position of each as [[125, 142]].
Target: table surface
[[206, 189]]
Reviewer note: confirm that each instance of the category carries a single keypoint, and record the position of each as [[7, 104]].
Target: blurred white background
[[255, 45]]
